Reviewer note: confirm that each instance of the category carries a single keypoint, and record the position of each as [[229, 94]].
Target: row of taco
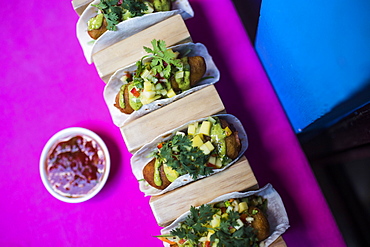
[[195, 149]]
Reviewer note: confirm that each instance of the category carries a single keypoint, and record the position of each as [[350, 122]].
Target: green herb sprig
[[113, 10], [162, 58], [180, 155]]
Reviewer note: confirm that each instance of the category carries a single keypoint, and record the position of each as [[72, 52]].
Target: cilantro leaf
[[163, 59], [180, 155]]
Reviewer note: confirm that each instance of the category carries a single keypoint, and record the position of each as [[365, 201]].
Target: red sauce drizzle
[[75, 166]]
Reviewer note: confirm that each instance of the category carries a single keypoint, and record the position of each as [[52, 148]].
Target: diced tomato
[[160, 145], [135, 92], [211, 165], [208, 243], [181, 241]]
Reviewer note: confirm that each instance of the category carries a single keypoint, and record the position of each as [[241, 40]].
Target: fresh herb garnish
[[113, 10], [162, 58], [193, 225], [136, 8], [228, 233], [180, 155]]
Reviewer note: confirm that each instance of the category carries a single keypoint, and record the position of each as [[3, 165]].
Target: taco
[[104, 23], [112, 12], [255, 218], [159, 78], [166, 74], [195, 150]]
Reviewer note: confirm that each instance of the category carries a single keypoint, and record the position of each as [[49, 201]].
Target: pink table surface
[[47, 86]]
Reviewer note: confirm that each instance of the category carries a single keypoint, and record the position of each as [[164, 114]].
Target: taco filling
[[197, 151], [234, 222], [162, 74], [112, 12]]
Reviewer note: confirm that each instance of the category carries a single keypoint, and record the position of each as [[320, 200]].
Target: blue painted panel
[[316, 53]]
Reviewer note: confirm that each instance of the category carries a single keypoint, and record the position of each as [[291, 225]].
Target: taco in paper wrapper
[[125, 28], [195, 150], [272, 207], [114, 86]]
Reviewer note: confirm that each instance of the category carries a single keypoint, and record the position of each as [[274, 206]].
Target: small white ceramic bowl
[[66, 134]]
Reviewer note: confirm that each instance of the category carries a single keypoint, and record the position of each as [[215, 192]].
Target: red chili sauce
[[75, 166]]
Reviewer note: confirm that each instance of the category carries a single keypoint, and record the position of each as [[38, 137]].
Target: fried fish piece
[[148, 173], [123, 97], [197, 70], [233, 143], [96, 33], [259, 223]]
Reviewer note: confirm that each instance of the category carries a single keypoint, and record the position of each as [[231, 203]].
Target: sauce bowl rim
[[71, 132]]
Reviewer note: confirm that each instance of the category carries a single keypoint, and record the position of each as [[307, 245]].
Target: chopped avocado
[[162, 5], [157, 176], [121, 99], [182, 76], [171, 174], [218, 137], [135, 102], [95, 22]]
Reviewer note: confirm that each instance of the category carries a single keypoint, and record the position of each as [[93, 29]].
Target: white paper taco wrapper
[[276, 213], [141, 157], [114, 84], [125, 29]]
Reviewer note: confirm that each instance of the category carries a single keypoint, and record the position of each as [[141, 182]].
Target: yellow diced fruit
[[192, 130], [171, 93], [197, 141], [205, 128], [216, 221], [228, 131], [212, 160], [207, 147], [148, 86], [218, 163], [243, 206]]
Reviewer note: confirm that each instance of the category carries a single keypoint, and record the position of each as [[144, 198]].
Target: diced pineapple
[[207, 147], [212, 160], [145, 73], [191, 129], [197, 141], [228, 131], [148, 86], [216, 221], [148, 94], [146, 101], [240, 224], [243, 206], [218, 163], [171, 93], [205, 128]]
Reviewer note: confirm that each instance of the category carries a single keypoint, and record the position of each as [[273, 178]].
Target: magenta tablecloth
[[47, 86]]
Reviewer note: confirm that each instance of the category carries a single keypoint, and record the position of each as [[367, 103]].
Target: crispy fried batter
[[127, 109], [148, 173], [96, 33], [233, 143], [260, 223], [197, 69]]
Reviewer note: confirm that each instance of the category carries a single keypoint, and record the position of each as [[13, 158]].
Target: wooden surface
[[80, 5], [167, 207], [130, 50], [199, 104], [279, 242]]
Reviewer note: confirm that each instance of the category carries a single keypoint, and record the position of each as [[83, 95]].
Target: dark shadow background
[[339, 154]]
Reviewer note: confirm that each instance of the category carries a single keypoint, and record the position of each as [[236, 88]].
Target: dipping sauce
[[75, 166]]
